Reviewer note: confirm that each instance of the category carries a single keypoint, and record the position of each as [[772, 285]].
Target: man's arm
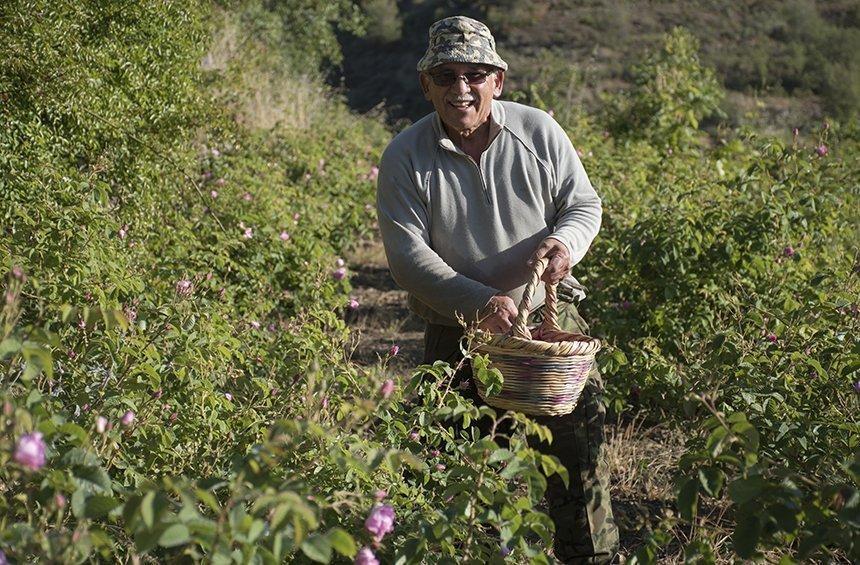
[[404, 223], [578, 207]]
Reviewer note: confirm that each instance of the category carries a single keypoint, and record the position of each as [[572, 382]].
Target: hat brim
[[430, 60]]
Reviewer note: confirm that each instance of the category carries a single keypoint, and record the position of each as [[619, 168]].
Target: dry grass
[[263, 95]]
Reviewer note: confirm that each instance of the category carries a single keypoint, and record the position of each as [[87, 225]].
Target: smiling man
[[468, 198]]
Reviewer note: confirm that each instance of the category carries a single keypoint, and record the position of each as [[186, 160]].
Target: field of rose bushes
[[176, 381]]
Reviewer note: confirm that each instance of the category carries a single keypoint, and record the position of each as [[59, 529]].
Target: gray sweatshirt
[[457, 233]]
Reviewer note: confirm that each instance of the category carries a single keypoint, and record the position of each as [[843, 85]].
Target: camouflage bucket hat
[[459, 39]]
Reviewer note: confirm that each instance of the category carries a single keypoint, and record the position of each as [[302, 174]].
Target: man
[[468, 198]]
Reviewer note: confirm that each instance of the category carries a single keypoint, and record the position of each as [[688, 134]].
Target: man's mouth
[[461, 104]]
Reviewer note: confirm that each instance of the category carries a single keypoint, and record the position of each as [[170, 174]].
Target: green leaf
[[687, 498], [175, 534], [99, 505], [342, 542], [711, 480], [742, 491], [746, 534], [147, 509], [317, 548]]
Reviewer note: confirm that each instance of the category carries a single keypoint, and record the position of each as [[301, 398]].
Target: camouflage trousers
[[585, 530]]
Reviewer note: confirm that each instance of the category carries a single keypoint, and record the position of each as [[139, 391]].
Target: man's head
[[461, 72]]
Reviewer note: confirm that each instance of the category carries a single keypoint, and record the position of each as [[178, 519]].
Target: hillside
[[784, 64]]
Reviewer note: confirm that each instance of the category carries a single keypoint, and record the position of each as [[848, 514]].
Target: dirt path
[[382, 318]]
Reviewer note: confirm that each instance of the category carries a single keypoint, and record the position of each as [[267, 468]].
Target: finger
[[540, 253]]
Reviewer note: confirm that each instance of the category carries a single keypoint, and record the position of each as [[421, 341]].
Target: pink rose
[[380, 521], [365, 556], [184, 288], [30, 451]]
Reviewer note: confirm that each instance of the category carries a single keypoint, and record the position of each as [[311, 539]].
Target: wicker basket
[[545, 374]]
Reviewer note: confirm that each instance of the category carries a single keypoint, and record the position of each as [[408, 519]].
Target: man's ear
[[500, 82], [424, 81]]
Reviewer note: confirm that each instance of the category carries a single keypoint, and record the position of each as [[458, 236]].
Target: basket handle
[[550, 318]]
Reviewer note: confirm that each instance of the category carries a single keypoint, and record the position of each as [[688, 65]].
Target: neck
[[472, 142]]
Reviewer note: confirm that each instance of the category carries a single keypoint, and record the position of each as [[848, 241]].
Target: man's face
[[462, 107]]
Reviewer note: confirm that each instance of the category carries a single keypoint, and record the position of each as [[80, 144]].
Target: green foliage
[[672, 94]]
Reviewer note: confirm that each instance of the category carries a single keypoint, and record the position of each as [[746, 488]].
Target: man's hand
[[559, 259], [499, 315]]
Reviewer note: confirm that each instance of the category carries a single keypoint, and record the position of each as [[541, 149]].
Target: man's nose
[[460, 85]]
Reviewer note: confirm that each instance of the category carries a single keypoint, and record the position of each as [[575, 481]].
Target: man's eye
[[477, 75]]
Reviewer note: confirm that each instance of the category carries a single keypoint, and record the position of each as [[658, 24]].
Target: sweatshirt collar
[[497, 123]]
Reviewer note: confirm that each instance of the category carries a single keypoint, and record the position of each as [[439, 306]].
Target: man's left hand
[[559, 259]]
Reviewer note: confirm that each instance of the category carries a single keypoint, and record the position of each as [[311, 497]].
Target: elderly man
[[468, 198]]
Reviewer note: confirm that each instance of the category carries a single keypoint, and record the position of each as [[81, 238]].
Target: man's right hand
[[499, 315]]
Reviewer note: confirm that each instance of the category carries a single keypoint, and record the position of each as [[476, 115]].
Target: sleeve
[[415, 266], [578, 207]]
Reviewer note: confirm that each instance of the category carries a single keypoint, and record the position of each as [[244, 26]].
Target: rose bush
[[172, 343]]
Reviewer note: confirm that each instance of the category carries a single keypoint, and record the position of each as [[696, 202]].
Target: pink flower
[[788, 251], [123, 231], [325, 402], [435, 453], [247, 197], [221, 182], [380, 521], [393, 350], [255, 324], [771, 337], [380, 495], [414, 436], [352, 304], [127, 418], [174, 416], [18, 272], [184, 288], [101, 424], [284, 236], [387, 388], [339, 274], [440, 467], [30, 451], [228, 396], [821, 150], [213, 193], [365, 556], [374, 172], [795, 132], [215, 153], [60, 500], [248, 233], [857, 387], [296, 216], [130, 314], [339, 262]]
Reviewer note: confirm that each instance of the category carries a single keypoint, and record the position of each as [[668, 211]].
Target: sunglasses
[[448, 78]]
